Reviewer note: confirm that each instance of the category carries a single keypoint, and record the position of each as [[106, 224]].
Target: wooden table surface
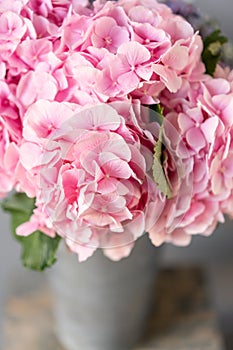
[[182, 318]]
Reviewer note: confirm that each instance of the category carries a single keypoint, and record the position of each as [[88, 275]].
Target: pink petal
[[84, 252], [168, 77], [157, 237], [116, 254], [102, 117], [103, 26], [195, 139], [209, 128], [26, 229], [134, 52], [136, 226], [218, 86], [144, 72], [114, 167], [107, 185], [180, 238], [217, 183], [185, 122], [177, 57], [98, 218], [30, 155], [11, 156], [129, 81]]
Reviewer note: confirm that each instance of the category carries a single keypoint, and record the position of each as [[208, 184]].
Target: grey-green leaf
[[212, 50], [158, 172], [20, 207], [38, 250], [19, 202]]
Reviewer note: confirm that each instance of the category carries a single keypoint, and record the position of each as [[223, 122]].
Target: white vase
[[100, 304]]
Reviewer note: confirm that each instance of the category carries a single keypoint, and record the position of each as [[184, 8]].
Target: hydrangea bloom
[[204, 123], [74, 79], [91, 175]]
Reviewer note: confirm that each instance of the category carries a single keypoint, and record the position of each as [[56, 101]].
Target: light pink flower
[[106, 33], [221, 173], [81, 76], [197, 132], [225, 73], [89, 165], [12, 29], [227, 206], [8, 159], [101, 188], [179, 173], [126, 70], [2, 70], [201, 217], [55, 10], [38, 221], [148, 91], [207, 138], [177, 27], [32, 52], [217, 99], [44, 118], [36, 85], [181, 60], [142, 14], [13, 6], [75, 31], [134, 58], [151, 6], [7, 101], [154, 39]]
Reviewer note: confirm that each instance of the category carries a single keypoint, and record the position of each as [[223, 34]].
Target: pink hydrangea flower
[[12, 29], [8, 159], [99, 193], [7, 101], [74, 134], [42, 119], [35, 85], [14, 6], [205, 141], [75, 31], [227, 205], [123, 75], [108, 34], [221, 174]]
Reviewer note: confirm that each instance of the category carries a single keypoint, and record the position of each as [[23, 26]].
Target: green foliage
[[20, 207], [38, 250], [158, 171], [158, 109], [212, 50]]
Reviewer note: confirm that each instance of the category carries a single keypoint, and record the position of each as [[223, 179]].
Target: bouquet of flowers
[[116, 119]]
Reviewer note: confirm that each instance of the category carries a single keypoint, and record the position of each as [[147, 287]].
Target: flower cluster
[[202, 114], [75, 79]]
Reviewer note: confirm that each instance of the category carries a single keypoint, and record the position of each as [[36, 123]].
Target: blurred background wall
[[214, 254]]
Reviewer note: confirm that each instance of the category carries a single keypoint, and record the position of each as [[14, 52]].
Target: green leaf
[[158, 109], [19, 202], [38, 250], [158, 171], [212, 50], [20, 207]]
